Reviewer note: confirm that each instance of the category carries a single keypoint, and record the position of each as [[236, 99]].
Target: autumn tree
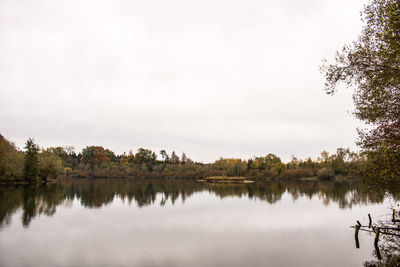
[[231, 166], [111, 155], [146, 157], [123, 159], [94, 155], [31, 164], [131, 157], [371, 65], [11, 160]]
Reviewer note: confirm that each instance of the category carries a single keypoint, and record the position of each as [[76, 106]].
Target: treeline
[[35, 164]]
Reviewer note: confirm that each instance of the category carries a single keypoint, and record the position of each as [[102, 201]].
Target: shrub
[[325, 174], [297, 173]]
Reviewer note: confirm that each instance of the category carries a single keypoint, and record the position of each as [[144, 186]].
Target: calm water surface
[[154, 223]]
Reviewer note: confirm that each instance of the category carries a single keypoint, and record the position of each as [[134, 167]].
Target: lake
[[117, 222]]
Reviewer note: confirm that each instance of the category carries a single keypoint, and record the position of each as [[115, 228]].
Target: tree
[[31, 164], [164, 156], [270, 161], [339, 162], [146, 157], [67, 155], [130, 157], [278, 168], [123, 159], [94, 155], [11, 160], [325, 157], [174, 158], [111, 155], [183, 158], [50, 164], [372, 65], [294, 163], [231, 166]]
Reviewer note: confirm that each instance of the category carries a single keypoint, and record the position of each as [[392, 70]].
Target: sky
[[226, 78]]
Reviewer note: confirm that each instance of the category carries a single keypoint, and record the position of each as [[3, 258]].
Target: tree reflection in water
[[43, 199]]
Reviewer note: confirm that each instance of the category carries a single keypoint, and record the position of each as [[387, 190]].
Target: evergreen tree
[[31, 165]]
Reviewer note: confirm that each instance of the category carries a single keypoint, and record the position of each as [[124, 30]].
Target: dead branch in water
[[381, 228]]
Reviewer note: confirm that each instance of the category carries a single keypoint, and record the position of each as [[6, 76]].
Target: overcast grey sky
[[213, 78]]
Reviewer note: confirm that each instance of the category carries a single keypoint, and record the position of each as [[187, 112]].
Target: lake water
[[178, 223]]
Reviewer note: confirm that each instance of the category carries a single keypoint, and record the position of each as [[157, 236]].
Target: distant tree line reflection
[[34, 200]]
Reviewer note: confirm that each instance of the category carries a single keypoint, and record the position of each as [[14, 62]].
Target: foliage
[[50, 165], [94, 155], [164, 156], [372, 65], [270, 165], [297, 173], [11, 160], [146, 158], [96, 162], [231, 167], [67, 155], [325, 174], [174, 158], [383, 167], [111, 155], [31, 164]]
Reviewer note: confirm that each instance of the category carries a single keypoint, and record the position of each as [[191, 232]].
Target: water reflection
[[43, 199]]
